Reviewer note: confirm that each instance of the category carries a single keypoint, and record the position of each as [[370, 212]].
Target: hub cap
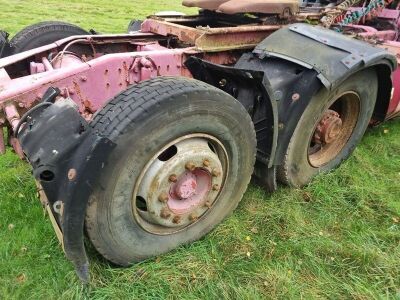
[[180, 184], [334, 129]]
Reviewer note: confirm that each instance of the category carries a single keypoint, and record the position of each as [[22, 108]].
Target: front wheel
[[184, 157], [329, 129]]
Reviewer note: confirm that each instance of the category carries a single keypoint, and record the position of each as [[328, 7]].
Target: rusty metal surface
[[212, 39]]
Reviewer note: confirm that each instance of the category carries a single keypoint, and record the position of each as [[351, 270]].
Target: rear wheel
[[43, 33], [329, 129], [184, 157], [38, 35]]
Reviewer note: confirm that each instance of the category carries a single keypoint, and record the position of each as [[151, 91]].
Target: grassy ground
[[337, 238]]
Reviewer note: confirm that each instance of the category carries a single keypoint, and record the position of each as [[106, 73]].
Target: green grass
[[337, 238]]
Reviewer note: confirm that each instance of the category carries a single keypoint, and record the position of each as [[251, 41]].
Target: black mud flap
[[67, 156]]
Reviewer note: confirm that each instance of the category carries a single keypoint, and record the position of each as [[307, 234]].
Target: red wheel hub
[[186, 186], [189, 191], [329, 128]]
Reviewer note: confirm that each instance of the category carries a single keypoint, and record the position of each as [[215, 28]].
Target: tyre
[[134, 25], [329, 129], [4, 45], [38, 35], [183, 159], [41, 34]]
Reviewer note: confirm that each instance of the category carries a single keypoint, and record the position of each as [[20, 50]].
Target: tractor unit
[[146, 140]]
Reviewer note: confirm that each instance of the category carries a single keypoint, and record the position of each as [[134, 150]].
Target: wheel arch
[[334, 57]]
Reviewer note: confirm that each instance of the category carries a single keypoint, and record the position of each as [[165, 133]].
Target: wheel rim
[[334, 129], [180, 184]]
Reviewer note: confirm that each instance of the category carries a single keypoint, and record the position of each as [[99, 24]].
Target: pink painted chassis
[[93, 80]]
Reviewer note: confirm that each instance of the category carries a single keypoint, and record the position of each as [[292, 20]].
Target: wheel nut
[[165, 214], [190, 166], [71, 174], [215, 187], [206, 163], [207, 204], [193, 217], [215, 172], [163, 197], [173, 178], [176, 220]]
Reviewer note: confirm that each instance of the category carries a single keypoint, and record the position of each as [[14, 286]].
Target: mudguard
[[332, 55], [293, 64], [66, 155]]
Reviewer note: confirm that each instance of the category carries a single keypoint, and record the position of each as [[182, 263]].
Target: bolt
[[215, 173], [190, 166], [71, 174], [83, 78], [295, 97], [215, 187], [176, 220], [193, 217], [206, 163], [207, 204], [281, 125], [222, 82], [21, 104], [165, 214], [163, 197], [173, 178]]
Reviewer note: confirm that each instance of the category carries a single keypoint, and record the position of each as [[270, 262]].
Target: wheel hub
[[333, 131], [329, 128], [185, 187], [179, 188]]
